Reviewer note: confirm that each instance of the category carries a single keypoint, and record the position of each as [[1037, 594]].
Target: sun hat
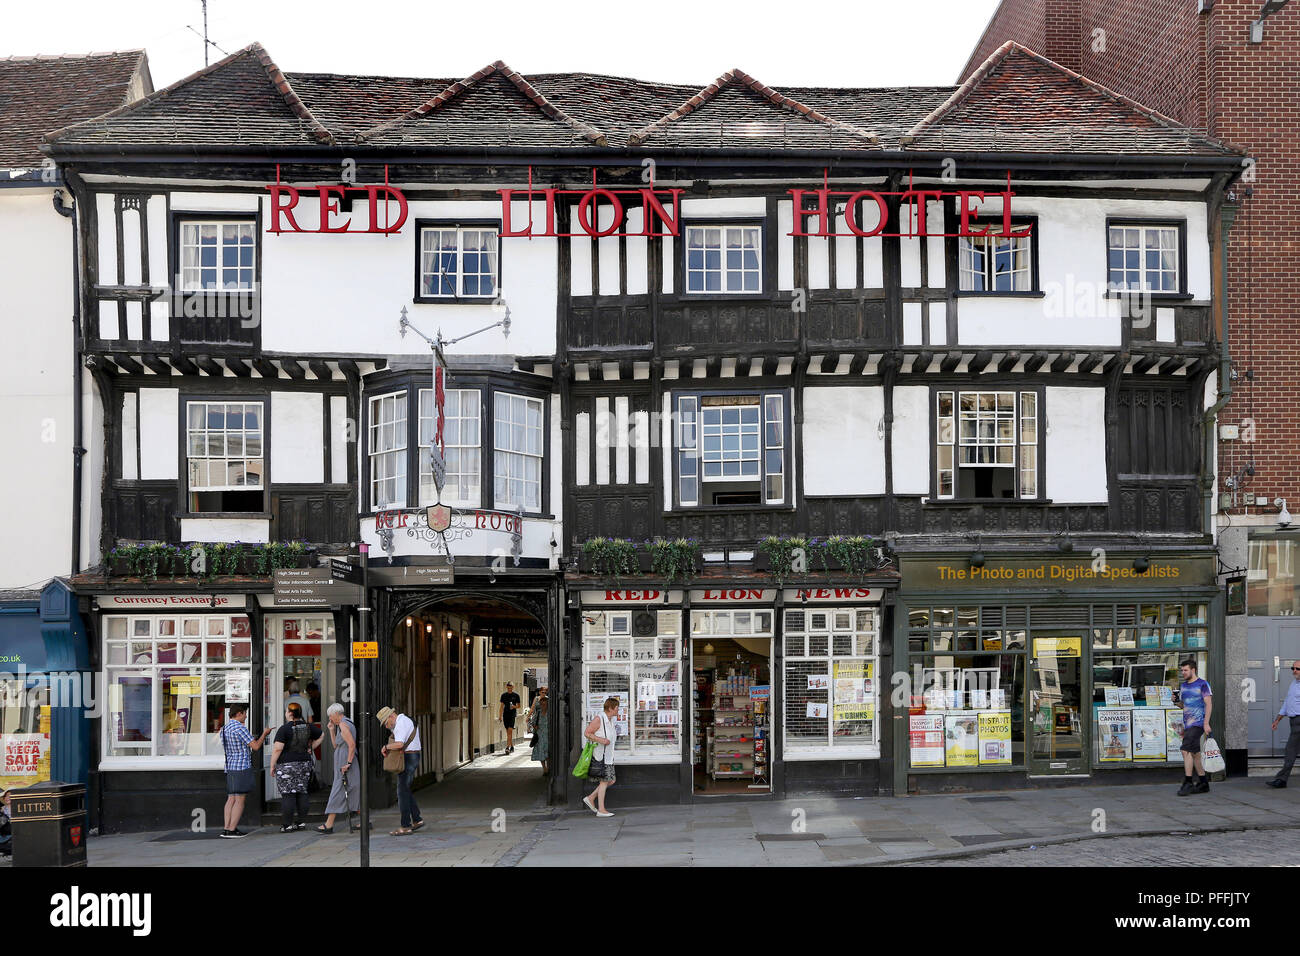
[[385, 713]]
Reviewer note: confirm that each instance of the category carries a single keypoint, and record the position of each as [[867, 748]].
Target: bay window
[[461, 454], [731, 449], [388, 451], [518, 446], [224, 454], [986, 444]]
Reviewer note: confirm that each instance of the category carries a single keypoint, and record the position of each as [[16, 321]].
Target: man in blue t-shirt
[[1197, 707]]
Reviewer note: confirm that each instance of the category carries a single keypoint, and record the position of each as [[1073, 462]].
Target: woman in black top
[[291, 766]]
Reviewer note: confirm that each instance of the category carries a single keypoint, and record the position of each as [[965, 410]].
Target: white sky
[[804, 43]]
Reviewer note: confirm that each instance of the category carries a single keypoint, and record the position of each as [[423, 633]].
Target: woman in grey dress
[[540, 728], [345, 795]]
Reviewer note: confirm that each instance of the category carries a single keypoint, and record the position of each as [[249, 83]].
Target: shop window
[[1145, 257], [458, 262], [636, 657], [731, 449], [986, 444], [224, 449], [518, 445], [722, 259], [1137, 717], [169, 682], [1270, 578], [388, 451], [995, 263], [461, 448], [832, 681]]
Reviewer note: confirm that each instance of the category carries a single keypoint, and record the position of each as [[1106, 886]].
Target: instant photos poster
[[995, 737], [1174, 733]]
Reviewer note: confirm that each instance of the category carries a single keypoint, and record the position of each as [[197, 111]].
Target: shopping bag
[[1211, 757], [580, 771]]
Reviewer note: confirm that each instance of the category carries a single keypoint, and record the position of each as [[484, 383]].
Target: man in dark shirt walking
[[509, 705]]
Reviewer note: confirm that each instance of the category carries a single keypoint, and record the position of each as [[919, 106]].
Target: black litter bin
[[49, 825]]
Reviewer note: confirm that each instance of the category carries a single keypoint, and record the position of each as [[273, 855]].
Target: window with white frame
[[635, 656], [986, 444], [458, 262], [217, 255], [169, 681], [461, 447], [388, 451], [518, 437], [995, 263], [724, 258], [832, 681], [1144, 258], [225, 456], [730, 449]]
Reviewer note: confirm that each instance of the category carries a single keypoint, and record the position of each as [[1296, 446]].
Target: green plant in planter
[[675, 559], [223, 558], [854, 553], [611, 557], [145, 560], [787, 555]]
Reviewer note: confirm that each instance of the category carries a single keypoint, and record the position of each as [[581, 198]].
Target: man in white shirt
[[406, 740]]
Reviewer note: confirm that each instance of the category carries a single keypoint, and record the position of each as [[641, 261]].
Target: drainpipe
[[69, 212], [1226, 216]]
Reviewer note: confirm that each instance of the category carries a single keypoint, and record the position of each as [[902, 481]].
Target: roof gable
[[495, 101], [737, 104], [245, 95], [1020, 101]]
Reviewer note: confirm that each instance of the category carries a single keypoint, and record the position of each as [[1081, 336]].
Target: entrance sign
[[365, 650]]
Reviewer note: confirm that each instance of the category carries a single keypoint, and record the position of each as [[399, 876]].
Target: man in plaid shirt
[[239, 744]]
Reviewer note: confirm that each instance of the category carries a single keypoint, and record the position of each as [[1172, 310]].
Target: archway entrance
[[468, 667]]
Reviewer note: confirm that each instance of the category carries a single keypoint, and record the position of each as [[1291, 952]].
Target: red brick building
[[1232, 69]]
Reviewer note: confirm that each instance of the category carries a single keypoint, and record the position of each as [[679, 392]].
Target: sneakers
[[1202, 785], [300, 826], [232, 834], [288, 828], [1186, 788], [1275, 783]]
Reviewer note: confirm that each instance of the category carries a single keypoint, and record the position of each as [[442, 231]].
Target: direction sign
[[311, 586], [342, 570]]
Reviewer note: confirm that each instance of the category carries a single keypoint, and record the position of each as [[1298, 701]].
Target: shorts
[[1192, 739], [509, 719], [240, 781]]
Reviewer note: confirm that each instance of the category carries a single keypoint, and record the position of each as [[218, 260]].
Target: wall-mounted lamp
[[977, 559], [428, 628], [1142, 565], [408, 622]]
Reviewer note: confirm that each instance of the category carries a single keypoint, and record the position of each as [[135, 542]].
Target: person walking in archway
[[506, 714]]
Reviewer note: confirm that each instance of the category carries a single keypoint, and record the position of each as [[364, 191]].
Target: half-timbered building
[[854, 439]]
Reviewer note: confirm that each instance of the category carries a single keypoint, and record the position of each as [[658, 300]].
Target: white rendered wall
[[1076, 445], [342, 293], [1073, 271], [843, 452], [297, 442], [159, 408], [36, 369], [911, 434]]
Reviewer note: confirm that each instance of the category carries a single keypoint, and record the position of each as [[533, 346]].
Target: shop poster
[[1125, 697], [1159, 695], [1149, 734], [1174, 733], [995, 737], [853, 691], [926, 734], [24, 760], [816, 710], [961, 740], [1114, 734], [237, 688], [819, 681]]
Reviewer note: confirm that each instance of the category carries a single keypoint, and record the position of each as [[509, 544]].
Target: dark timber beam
[[127, 364], [266, 368], [980, 362], [320, 369], [183, 365], [240, 367], [950, 363], [294, 369], [922, 361], [1035, 362], [1008, 362], [206, 363], [1146, 364], [1063, 362], [156, 364], [1090, 362]]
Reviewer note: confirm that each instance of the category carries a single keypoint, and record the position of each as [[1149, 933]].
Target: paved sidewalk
[[750, 832]]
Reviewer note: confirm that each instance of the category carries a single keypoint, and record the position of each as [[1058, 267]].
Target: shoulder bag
[[395, 760]]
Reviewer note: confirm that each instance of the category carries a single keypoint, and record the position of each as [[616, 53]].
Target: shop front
[[737, 690], [1025, 671]]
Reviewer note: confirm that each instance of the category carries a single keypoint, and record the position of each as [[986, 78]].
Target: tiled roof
[[496, 104], [42, 93], [736, 106], [1019, 101], [242, 100]]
